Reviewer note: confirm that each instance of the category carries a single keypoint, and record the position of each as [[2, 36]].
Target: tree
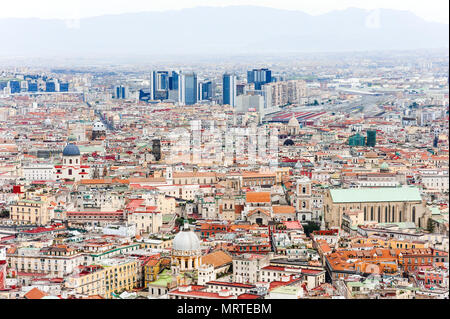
[[310, 227], [4, 213], [179, 221], [430, 226]]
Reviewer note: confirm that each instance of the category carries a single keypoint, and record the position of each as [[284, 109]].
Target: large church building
[[382, 205], [71, 167]]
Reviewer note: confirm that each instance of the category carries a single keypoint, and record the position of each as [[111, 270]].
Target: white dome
[[186, 240], [293, 121], [99, 126]]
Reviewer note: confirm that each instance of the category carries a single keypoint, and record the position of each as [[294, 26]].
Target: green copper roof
[[435, 210], [382, 194], [163, 280], [287, 290], [401, 225], [167, 218]]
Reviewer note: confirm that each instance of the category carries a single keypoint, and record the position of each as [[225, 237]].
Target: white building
[[435, 179], [128, 230], [246, 267], [34, 172]]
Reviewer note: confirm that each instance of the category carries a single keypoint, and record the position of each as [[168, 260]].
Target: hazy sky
[[431, 10]]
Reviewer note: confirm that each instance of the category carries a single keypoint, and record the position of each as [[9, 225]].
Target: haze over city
[[258, 153]]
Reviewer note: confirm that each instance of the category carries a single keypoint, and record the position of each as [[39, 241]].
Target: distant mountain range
[[225, 30]]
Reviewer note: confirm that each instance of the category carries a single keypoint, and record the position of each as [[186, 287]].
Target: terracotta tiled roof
[[257, 197], [217, 259], [283, 209], [35, 293]]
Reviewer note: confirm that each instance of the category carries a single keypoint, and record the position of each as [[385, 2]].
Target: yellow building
[[156, 243], [27, 211], [391, 243], [89, 281], [151, 271], [282, 171], [166, 204], [121, 274]]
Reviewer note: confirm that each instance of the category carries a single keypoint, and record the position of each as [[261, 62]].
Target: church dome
[[384, 167], [186, 240], [71, 150], [293, 121]]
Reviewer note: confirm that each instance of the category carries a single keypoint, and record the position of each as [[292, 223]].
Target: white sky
[[431, 10]]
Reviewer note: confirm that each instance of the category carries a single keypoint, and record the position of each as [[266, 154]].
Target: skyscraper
[[64, 87], [188, 89], [159, 85], [121, 92], [15, 86], [173, 81], [51, 86], [32, 87], [229, 89], [240, 88], [174, 84], [259, 77], [206, 90]]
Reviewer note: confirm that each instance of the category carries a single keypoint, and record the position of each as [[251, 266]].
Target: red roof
[[35, 293], [248, 296]]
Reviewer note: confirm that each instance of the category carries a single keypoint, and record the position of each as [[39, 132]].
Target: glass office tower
[[207, 90], [15, 86], [229, 89], [190, 89], [159, 85], [259, 77]]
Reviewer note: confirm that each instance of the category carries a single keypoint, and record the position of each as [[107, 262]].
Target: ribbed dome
[[71, 150], [293, 121], [186, 240]]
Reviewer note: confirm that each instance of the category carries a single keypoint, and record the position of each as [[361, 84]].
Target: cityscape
[[237, 177]]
